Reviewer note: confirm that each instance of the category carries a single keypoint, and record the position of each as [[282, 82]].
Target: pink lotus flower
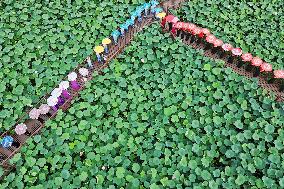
[[44, 109], [237, 51], [218, 43], [21, 129], [227, 47], [34, 113], [205, 31], [247, 57], [278, 74], [210, 38], [265, 67], [256, 61]]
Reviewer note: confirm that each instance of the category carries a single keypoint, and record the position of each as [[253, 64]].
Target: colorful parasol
[[161, 15], [99, 49], [106, 41]]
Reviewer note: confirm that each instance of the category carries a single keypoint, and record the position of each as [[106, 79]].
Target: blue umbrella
[[129, 22], [146, 7], [7, 141], [115, 33], [139, 13], [133, 16], [153, 5], [138, 8], [122, 29], [141, 9], [126, 25], [157, 10]]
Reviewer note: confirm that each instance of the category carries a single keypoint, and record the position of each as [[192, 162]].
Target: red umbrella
[[204, 32], [184, 26], [196, 31], [171, 18], [191, 27], [164, 21], [175, 20], [265, 67], [278, 74], [177, 26]]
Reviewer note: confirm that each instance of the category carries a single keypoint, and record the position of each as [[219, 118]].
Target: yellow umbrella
[[106, 41], [161, 15], [99, 49]]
